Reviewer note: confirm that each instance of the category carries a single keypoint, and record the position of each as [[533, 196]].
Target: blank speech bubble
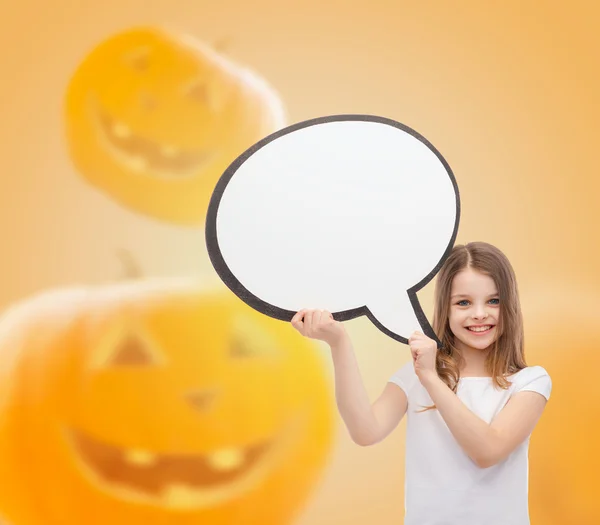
[[347, 213]]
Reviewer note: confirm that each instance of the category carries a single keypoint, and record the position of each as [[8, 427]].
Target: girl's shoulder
[[531, 378], [405, 377], [530, 372]]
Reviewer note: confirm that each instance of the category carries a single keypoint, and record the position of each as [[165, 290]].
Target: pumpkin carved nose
[[202, 399]]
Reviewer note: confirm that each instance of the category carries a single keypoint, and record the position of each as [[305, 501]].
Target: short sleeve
[[534, 379], [405, 377]]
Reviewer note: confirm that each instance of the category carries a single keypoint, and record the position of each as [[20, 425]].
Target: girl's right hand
[[319, 324]]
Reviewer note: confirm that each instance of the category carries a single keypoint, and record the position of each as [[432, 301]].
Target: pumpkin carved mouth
[[176, 481], [143, 155]]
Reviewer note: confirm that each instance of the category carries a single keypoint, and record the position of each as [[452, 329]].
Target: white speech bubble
[[348, 213]]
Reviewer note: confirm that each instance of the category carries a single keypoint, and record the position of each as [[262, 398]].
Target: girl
[[471, 406]]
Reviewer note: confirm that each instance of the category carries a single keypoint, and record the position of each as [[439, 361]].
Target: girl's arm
[[486, 444], [367, 424]]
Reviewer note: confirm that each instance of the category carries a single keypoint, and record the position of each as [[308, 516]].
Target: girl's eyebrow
[[466, 295]]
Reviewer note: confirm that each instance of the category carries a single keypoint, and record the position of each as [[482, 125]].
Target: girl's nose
[[480, 313]]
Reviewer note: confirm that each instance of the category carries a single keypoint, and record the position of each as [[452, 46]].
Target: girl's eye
[[495, 301], [464, 302]]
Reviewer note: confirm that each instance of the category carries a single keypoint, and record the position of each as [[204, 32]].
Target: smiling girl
[[471, 406]]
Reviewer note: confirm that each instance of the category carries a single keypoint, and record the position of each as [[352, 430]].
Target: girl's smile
[[479, 330]]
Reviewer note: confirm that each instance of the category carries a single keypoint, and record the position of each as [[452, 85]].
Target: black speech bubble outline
[[281, 314]]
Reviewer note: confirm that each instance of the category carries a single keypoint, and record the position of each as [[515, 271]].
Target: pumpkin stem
[[131, 268]]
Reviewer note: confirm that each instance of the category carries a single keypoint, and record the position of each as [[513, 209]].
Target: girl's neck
[[473, 362]]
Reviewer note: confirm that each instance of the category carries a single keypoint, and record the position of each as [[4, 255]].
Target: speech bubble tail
[[402, 318]]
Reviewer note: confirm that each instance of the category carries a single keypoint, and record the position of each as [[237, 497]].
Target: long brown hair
[[506, 355]]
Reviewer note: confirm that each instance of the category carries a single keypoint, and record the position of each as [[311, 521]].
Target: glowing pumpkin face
[[133, 404], [154, 119]]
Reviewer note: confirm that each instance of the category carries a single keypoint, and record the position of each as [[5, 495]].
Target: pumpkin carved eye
[[132, 351], [139, 60], [197, 90], [128, 349], [248, 341], [240, 349], [207, 92]]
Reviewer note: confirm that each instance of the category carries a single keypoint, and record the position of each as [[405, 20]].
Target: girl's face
[[474, 310]]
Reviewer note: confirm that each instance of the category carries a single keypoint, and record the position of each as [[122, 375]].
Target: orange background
[[507, 93]]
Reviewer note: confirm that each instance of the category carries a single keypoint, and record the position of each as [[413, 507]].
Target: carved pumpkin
[[155, 404], [153, 119]]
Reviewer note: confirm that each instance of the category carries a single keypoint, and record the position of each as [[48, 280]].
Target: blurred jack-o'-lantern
[[153, 119], [143, 403], [564, 454]]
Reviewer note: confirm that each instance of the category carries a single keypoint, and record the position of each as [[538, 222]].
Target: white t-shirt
[[443, 485]]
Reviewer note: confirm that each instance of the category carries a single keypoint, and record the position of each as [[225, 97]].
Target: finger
[[308, 320], [318, 319], [299, 327], [415, 336], [298, 316], [325, 317], [415, 341]]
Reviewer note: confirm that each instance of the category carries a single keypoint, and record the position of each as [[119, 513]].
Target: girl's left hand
[[424, 352]]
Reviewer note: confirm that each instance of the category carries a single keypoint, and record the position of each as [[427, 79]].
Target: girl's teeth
[[481, 329]]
